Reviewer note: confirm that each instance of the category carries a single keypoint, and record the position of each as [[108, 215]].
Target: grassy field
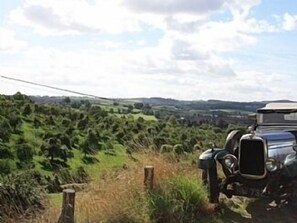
[[120, 196], [136, 116]]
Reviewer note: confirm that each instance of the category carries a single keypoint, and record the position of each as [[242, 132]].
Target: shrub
[[81, 175], [6, 166], [19, 194], [25, 153], [178, 199], [5, 152]]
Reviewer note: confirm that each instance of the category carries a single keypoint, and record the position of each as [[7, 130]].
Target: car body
[[261, 163]]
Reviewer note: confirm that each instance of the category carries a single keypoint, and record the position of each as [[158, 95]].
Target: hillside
[[178, 104], [75, 141], [49, 143]]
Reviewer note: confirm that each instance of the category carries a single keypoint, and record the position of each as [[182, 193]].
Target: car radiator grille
[[252, 157]]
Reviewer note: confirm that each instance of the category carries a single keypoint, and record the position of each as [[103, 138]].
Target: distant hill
[[204, 105], [178, 104]]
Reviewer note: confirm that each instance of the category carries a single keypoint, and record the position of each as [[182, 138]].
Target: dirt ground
[[243, 210]]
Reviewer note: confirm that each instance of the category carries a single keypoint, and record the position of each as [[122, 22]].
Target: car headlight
[[230, 161], [271, 165]]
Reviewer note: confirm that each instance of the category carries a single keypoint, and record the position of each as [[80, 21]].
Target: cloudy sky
[[184, 49]]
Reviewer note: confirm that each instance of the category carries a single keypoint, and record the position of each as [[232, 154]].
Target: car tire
[[210, 179]]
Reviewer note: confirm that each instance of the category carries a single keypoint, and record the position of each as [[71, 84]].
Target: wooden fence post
[[67, 213], [149, 177]]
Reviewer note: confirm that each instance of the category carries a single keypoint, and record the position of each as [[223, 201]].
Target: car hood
[[279, 143], [276, 136]]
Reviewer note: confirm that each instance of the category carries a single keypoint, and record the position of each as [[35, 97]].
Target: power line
[[55, 88]]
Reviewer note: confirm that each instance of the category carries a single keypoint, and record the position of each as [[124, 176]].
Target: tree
[[90, 144], [67, 100], [54, 148], [88, 105], [18, 96], [82, 124], [130, 108], [172, 120], [5, 130], [5, 152], [86, 148], [65, 140], [15, 121], [138, 105], [25, 153], [27, 110]]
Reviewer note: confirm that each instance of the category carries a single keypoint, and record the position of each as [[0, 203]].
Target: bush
[[6, 166], [5, 152], [19, 194], [81, 175], [178, 199], [25, 153]]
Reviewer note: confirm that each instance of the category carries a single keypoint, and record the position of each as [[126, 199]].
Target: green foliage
[[138, 105], [19, 194], [58, 137], [65, 140], [24, 153], [27, 110], [82, 124], [177, 199], [67, 100], [78, 176], [6, 166], [5, 130], [90, 144], [15, 121], [5, 152]]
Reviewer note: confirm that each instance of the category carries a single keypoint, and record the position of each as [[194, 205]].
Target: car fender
[[208, 158], [290, 165]]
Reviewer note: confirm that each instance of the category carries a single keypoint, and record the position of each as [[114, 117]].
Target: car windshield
[[277, 118]]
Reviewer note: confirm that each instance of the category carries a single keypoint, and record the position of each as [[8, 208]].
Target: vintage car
[[261, 163]]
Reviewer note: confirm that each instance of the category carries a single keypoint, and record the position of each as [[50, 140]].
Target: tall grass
[[120, 197], [178, 199]]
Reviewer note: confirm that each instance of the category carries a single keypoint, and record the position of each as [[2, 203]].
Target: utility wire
[[55, 88]]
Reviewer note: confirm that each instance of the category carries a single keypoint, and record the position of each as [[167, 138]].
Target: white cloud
[[187, 62], [143, 72], [241, 9], [175, 6], [289, 22], [9, 41], [108, 44], [74, 16]]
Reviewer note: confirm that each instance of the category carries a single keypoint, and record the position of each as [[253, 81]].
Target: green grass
[[178, 199], [136, 116], [55, 200], [106, 162], [145, 117]]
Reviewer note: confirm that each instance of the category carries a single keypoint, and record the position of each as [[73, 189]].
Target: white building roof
[[280, 106]]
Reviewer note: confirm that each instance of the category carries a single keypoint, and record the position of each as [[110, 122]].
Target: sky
[[184, 49]]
